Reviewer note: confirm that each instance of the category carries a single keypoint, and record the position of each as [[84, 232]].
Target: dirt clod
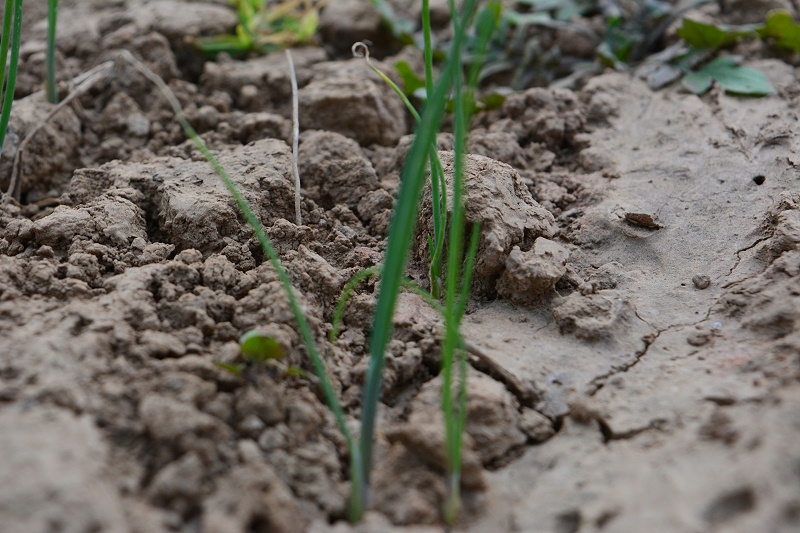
[[529, 274], [358, 105], [496, 198]]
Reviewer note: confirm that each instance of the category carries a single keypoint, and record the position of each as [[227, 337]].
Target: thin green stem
[[438, 187], [349, 288], [458, 419], [50, 61], [5, 39], [469, 266], [427, 51], [361, 50], [353, 283], [11, 79], [439, 208], [455, 416], [455, 245]]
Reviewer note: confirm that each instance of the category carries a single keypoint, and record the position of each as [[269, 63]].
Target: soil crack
[[739, 260], [600, 381], [609, 434], [526, 393]]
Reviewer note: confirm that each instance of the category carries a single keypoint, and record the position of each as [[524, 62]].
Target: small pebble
[[697, 339], [701, 281]]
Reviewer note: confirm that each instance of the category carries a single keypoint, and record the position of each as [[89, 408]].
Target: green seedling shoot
[[259, 347], [266, 28]]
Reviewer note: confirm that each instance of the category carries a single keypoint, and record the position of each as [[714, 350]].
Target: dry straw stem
[[84, 82], [295, 138]]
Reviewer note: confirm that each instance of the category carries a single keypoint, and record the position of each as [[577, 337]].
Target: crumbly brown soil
[[634, 337]]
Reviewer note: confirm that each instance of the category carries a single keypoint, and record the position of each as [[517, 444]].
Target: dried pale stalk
[[295, 138]]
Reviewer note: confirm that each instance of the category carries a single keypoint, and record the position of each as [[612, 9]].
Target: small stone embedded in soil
[[701, 281], [529, 274], [719, 426], [697, 338], [497, 198]]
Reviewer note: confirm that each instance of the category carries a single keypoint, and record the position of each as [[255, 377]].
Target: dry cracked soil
[[633, 334]]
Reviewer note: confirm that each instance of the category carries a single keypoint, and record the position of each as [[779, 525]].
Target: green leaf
[[298, 372], [732, 77], [607, 57], [491, 101], [307, 26], [236, 370], [701, 35], [783, 29], [698, 82], [232, 45], [411, 82], [259, 347]]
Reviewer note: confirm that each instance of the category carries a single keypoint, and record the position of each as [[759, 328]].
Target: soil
[[633, 336]]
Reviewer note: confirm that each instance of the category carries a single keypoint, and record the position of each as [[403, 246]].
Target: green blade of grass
[[50, 69], [8, 17], [456, 297], [439, 208], [338, 313], [361, 50], [438, 184], [455, 245], [11, 79]]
